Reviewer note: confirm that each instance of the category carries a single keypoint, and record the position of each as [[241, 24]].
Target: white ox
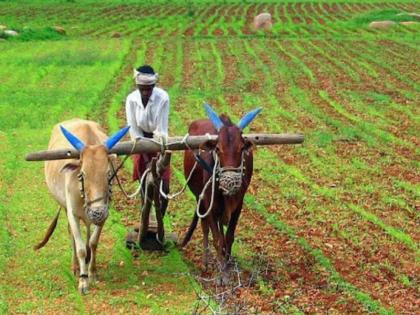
[[82, 187]]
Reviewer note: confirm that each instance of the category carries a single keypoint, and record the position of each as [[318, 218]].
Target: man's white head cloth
[[145, 78]]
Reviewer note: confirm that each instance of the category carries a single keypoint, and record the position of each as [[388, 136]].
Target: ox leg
[[88, 253], [218, 241], [206, 250], [230, 233], [93, 244], [75, 262], [80, 249]]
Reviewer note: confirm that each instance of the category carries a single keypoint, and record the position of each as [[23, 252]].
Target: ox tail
[[190, 231], [50, 231]]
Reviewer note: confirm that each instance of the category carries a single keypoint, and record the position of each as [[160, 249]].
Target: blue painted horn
[[74, 141], [248, 118], [215, 119], [113, 140]]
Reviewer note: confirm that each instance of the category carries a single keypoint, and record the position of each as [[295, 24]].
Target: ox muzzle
[[230, 181], [230, 178], [97, 215]]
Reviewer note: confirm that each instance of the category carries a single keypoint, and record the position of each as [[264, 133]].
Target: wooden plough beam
[[145, 145]]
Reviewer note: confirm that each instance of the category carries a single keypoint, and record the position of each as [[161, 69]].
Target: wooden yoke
[[145, 145]]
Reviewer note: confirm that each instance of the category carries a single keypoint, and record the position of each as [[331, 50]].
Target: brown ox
[[230, 158], [82, 187]]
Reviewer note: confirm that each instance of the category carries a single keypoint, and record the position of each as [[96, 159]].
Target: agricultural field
[[328, 227]]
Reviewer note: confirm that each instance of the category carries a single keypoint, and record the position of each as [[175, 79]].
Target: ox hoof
[[83, 286], [131, 240], [84, 290]]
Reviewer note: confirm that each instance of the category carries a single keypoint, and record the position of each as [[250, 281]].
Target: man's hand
[[160, 137]]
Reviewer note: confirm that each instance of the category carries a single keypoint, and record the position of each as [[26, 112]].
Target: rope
[[197, 159], [212, 179], [173, 196], [163, 146], [133, 195]]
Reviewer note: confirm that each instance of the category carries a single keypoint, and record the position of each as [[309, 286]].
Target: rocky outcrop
[[263, 21]]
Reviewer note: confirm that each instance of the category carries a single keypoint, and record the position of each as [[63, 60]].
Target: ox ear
[[74, 141], [248, 118], [215, 119], [70, 167], [112, 158], [113, 140], [249, 146]]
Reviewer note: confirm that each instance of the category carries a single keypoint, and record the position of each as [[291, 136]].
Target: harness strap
[[203, 163]]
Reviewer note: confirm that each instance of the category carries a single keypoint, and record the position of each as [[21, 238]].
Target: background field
[[330, 226]]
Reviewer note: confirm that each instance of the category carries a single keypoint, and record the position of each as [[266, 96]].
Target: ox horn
[[215, 119], [248, 118], [74, 141], [109, 144]]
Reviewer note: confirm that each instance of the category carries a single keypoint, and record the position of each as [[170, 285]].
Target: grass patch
[[31, 34], [382, 15]]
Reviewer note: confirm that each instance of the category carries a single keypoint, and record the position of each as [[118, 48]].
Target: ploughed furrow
[[250, 14], [230, 15], [408, 203], [324, 20], [360, 84], [114, 85], [280, 14], [295, 17], [193, 20], [402, 84], [407, 176], [380, 95], [203, 26], [331, 103], [401, 61], [227, 107], [237, 20], [301, 10], [353, 221], [316, 9], [219, 25], [315, 28], [140, 22]]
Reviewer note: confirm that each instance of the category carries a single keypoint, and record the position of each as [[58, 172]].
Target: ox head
[[94, 173], [230, 148]]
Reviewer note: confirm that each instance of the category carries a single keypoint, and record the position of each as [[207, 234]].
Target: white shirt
[[153, 118]]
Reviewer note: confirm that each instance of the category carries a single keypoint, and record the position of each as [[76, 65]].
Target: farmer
[[147, 111]]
